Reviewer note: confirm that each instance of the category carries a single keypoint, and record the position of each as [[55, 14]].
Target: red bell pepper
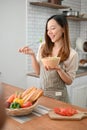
[[27, 104]]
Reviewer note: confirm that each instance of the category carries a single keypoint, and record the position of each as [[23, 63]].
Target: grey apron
[[52, 84]]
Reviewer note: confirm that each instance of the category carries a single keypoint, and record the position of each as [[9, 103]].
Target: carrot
[[11, 98]]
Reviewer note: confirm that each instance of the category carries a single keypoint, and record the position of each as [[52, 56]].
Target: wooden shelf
[[56, 6], [76, 18], [50, 5]]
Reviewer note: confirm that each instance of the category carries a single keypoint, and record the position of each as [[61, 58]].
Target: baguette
[[40, 93], [27, 91], [29, 96], [36, 95], [26, 97]]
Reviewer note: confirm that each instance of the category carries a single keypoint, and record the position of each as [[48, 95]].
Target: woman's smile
[[54, 31]]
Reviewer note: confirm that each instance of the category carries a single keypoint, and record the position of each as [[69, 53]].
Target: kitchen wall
[[12, 37], [36, 19]]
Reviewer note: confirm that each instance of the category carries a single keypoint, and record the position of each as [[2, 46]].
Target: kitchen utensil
[[85, 46], [80, 115], [84, 15], [79, 44], [67, 13], [71, 13]]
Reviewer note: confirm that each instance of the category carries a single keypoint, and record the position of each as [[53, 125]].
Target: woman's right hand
[[26, 50], [35, 63]]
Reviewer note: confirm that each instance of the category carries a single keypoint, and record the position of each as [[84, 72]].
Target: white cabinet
[[78, 92], [80, 96], [33, 81]]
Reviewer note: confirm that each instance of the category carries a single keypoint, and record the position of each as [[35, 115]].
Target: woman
[[57, 43]]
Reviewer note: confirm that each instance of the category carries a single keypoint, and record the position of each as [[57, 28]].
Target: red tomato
[[56, 110], [71, 111], [65, 111], [27, 104], [59, 111]]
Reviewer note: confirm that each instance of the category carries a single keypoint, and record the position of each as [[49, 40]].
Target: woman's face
[[54, 31]]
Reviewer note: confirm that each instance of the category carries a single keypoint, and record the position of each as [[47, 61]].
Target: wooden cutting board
[[80, 115]]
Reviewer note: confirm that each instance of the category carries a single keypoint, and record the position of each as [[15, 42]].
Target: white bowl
[[50, 61]]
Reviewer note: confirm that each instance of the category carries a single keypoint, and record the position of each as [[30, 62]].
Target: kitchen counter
[[44, 122], [81, 72]]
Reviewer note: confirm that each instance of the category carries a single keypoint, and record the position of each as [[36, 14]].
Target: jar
[[55, 1], [85, 46]]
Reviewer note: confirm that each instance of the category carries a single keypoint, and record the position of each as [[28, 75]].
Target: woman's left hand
[[48, 68]]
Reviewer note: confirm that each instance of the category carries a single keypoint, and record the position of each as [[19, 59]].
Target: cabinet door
[[79, 96], [33, 81], [77, 92]]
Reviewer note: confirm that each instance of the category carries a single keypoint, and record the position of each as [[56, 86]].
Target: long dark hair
[[48, 46]]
